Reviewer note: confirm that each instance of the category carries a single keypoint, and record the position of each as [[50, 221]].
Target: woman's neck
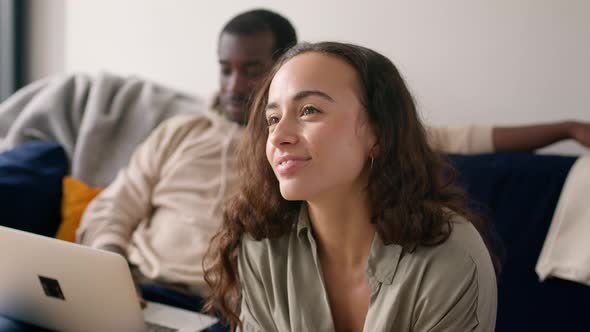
[[342, 227]]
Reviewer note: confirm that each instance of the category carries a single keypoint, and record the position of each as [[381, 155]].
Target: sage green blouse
[[449, 287]]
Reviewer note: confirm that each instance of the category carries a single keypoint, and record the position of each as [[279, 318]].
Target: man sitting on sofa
[[162, 209]]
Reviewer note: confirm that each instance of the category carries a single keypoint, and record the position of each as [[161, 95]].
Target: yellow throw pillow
[[76, 196]]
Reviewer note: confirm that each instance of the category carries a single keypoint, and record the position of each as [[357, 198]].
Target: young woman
[[346, 219]]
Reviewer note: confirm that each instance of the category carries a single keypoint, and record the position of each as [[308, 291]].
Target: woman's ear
[[374, 151], [366, 132], [372, 140]]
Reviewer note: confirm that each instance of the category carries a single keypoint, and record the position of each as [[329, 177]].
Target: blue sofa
[[518, 193]]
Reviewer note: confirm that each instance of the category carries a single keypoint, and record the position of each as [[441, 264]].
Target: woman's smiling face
[[319, 137]]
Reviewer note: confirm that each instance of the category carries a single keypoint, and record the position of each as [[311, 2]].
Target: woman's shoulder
[[455, 276], [466, 238], [462, 253], [464, 245], [461, 261]]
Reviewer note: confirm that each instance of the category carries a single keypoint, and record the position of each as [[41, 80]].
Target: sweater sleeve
[[467, 140], [112, 217]]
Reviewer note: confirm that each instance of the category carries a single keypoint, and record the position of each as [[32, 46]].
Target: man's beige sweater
[[167, 204]]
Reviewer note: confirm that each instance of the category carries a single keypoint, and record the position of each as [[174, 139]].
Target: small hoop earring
[[372, 159]]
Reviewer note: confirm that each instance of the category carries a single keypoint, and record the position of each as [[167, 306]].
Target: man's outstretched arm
[[526, 138]]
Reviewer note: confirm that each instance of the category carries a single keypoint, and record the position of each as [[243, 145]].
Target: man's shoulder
[[197, 124]]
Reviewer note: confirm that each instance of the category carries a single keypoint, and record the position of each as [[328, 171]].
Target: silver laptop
[[68, 287]]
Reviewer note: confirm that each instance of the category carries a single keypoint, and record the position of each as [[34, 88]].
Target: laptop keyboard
[[153, 327]]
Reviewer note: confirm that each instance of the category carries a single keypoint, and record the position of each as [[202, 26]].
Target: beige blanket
[[98, 120], [566, 251]]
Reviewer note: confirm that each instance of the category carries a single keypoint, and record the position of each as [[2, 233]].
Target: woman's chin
[[293, 194]]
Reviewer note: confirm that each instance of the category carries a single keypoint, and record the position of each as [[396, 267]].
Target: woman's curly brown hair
[[411, 192]]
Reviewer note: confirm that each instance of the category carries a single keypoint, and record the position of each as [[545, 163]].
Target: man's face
[[243, 60]]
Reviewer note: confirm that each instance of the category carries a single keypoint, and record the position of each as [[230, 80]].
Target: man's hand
[[137, 277], [580, 131]]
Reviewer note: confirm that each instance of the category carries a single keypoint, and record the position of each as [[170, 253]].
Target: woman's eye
[[308, 110], [272, 120]]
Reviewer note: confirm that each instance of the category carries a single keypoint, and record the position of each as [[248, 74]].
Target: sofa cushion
[[76, 197], [30, 186]]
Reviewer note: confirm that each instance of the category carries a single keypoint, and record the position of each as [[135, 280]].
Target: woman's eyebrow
[[301, 95]]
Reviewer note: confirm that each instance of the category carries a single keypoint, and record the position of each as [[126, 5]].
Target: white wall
[[45, 38], [504, 62]]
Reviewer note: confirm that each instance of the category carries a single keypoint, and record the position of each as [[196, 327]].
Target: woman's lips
[[289, 165]]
